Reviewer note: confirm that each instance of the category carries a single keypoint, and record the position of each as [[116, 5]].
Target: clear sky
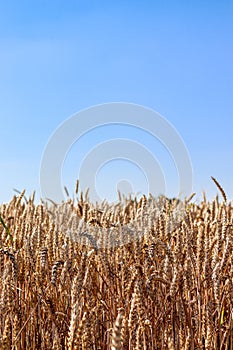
[[58, 57]]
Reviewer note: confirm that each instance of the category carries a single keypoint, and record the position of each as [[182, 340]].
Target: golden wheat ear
[[116, 333], [220, 188], [77, 187]]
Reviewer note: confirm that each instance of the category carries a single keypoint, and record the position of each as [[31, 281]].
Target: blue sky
[[57, 58]]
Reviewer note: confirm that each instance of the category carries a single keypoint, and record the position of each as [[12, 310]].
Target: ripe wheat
[[134, 275]]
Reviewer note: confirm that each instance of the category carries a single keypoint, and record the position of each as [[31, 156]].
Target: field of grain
[[140, 274]]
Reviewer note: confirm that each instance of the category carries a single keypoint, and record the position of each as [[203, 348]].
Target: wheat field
[[147, 273]]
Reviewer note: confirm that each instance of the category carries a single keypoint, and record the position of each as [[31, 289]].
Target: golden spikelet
[[220, 188], [116, 333], [6, 336]]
